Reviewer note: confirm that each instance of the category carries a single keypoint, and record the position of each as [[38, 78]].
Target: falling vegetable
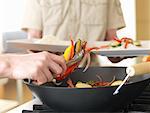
[[73, 52], [69, 52], [79, 50], [88, 62]]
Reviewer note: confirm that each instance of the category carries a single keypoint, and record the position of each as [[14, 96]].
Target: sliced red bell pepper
[[98, 84], [125, 38], [92, 48], [96, 48], [72, 49], [126, 44], [68, 71], [117, 39], [70, 83], [104, 46]]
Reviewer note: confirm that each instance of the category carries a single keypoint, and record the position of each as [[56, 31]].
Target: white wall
[[129, 11], [11, 13], [10, 16]]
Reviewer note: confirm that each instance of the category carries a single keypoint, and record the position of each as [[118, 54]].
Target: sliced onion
[[83, 61], [70, 83], [88, 62]]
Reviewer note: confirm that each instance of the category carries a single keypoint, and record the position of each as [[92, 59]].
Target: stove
[[142, 103], [139, 105]]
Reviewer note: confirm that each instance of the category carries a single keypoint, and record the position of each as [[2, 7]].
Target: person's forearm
[[109, 36], [110, 33], [33, 33], [5, 67]]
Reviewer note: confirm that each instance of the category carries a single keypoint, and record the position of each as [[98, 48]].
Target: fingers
[[50, 66], [52, 59], [55, 68], [42, 77], [55, 63], [41, 73], [36, 66], [59, 60], [39, 77], [44, 66], [48, 74], [49, 69]]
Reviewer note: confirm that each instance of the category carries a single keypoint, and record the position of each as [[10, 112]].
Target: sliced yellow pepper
[[67, 53], [78, 46]]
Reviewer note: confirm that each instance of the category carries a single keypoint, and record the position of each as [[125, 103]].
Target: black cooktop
[[139, 105]]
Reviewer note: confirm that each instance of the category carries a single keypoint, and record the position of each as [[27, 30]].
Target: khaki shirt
[[87, 19]]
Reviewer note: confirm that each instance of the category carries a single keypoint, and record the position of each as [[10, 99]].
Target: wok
[[100, 99]]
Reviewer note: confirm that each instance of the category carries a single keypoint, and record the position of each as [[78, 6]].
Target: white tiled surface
[[3, 81], [26, 106], [6, 105]]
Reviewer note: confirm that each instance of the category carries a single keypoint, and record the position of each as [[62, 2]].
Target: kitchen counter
[[7, 104], [26, 106], [29, 106]]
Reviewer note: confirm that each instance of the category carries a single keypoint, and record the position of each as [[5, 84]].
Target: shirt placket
[[74, 16]]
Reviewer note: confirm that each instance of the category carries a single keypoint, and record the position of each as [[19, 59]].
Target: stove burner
[[139, 105], [40, 109], [142, 103]]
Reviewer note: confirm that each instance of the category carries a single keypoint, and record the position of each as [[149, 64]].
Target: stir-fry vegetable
[[101, 82], [80, 49], [116, 83], [71, 53], [74, 51], [115, 44], [83, 85], [70, 83], [146, 59], [124, 42], [137, 43], [91, 84]]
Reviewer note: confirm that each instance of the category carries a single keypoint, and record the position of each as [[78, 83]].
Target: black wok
[[99, 99]]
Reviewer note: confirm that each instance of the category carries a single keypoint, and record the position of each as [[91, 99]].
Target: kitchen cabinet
[[143, 19]]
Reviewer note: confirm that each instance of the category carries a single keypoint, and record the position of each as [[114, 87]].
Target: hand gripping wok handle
[[139, 69]]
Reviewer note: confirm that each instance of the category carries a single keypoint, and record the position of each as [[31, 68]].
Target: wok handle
[[139, 69]]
